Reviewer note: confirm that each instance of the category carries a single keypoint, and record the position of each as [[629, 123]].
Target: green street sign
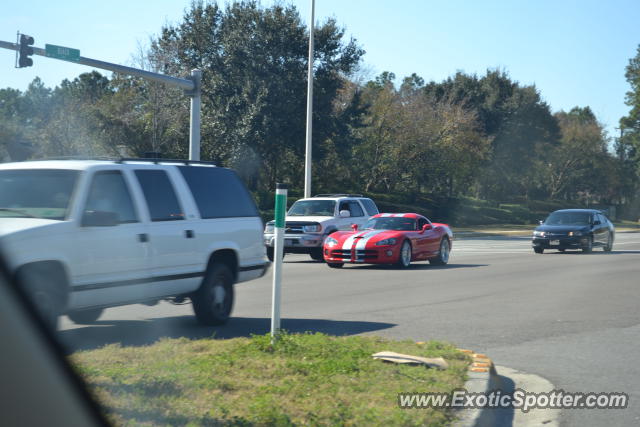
[[61, 52]]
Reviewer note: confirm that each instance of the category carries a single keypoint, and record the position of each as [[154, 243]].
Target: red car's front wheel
[[404, 258]]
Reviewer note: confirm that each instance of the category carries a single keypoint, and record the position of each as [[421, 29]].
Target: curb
[[483, 378]]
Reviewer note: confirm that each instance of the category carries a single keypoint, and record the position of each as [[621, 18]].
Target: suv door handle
[[189, 234], [143, 237]]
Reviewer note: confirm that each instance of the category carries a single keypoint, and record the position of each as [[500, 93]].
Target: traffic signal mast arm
[[191, 86], [184, 84]]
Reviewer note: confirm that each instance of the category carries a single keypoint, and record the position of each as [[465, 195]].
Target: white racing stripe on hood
[[362, 243], [349, 242]]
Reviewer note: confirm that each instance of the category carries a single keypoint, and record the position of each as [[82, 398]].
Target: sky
[[574, 51]]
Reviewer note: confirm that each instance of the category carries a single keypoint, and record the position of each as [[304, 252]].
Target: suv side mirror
[[345, 213], [597, 222], [99, 219]]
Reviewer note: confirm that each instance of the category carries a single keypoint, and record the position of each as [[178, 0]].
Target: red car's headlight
[[330, 242], [386, 242]]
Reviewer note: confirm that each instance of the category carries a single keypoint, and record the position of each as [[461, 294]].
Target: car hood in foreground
[[14, 225]]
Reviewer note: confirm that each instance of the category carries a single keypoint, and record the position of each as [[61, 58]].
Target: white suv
[[84, 235], [310, 221]]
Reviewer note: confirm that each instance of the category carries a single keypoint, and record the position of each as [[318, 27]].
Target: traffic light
[[25, 51]]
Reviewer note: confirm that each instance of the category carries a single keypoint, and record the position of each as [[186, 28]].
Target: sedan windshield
[[36, 193], [313, 208], [387, 223], [568, 218]]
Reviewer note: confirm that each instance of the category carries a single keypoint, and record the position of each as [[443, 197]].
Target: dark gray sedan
[[581, 229]]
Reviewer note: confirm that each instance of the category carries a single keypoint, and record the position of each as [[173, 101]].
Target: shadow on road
[[146, 332], [421, 266], [596, 252], [503, 417]]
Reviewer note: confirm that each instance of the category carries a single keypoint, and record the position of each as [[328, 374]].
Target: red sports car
[[390, 239]]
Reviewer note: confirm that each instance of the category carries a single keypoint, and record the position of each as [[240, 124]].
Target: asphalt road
[[571, 318]]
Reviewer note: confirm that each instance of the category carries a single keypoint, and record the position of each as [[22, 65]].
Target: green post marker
[[278, 249]]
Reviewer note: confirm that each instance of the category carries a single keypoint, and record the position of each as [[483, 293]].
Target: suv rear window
[[218, 192]]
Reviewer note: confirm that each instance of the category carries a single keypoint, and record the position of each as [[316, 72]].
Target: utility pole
[[191, 86], [307, 158]]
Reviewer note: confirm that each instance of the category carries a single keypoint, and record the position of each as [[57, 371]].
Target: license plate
[[554, 242]]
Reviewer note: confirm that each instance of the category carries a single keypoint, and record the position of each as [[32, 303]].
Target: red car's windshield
[[391, 223]]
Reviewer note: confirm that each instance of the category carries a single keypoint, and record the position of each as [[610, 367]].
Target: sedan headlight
[[539, 233], [386, 242], [268, 228], [330, 242], [312, 228]]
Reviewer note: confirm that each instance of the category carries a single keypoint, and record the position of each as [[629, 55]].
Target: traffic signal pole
[[191, 86]]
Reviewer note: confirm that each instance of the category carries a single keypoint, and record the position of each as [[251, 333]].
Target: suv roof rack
[[159, 160], [338, 195], [132, 159]]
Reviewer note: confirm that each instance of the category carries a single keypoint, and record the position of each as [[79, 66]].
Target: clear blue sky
[[574, 51]]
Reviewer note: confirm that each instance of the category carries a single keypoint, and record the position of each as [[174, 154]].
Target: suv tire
[[212, 303], [43, 293], [316, 254]]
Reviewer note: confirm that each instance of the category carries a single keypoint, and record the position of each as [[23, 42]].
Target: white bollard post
[[278, 250]]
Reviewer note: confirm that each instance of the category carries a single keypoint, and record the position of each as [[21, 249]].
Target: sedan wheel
[[404, 259], [589, 246], [609, 246]]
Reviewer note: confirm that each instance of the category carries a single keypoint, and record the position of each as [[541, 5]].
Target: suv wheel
[[270, 254], [212, 303], [85, 317], [43, 293], [316, 254]]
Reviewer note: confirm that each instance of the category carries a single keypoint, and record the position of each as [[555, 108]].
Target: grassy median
[[305, 379]]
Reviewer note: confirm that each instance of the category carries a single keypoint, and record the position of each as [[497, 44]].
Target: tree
[[415, 143], [518, 123], [254, 64], [628, 144], [582, 148]]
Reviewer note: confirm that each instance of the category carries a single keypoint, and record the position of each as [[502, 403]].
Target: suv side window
[[160, 196], [108, 192], [370, 207], [355, 208], [218, 192]]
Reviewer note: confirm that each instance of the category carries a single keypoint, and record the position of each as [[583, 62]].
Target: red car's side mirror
[[425, 228], [354, 227]]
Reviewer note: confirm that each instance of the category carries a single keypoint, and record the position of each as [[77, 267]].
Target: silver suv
[[85, 235], [310, 221]]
